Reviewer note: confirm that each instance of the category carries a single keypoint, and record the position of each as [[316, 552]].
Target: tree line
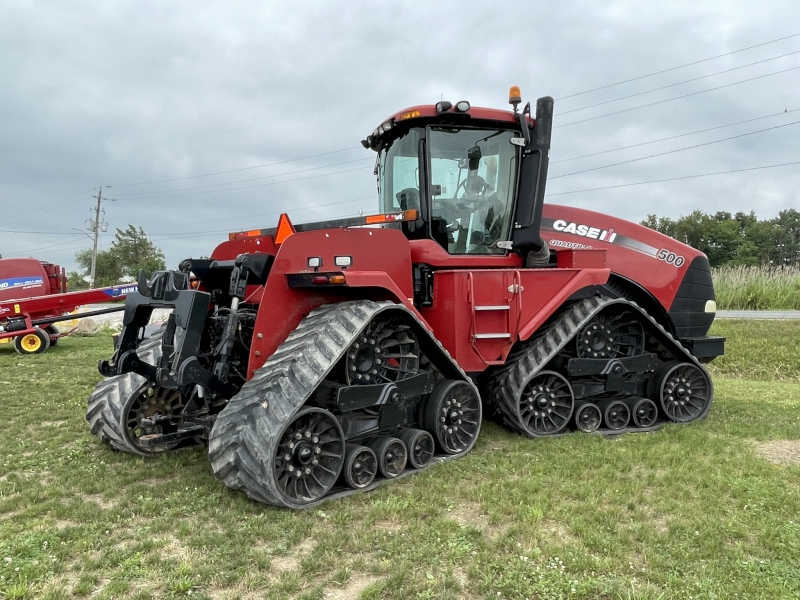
[[130, 251], [738, 239]]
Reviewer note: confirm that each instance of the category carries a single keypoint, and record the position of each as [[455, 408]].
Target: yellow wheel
[[32, 343]]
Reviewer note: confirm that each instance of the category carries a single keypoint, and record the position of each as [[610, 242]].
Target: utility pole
[[96, 226]]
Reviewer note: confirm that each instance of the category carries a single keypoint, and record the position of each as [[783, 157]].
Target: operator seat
[[408, 199]]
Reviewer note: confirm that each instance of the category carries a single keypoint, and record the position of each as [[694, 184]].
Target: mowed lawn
[[710, 510]]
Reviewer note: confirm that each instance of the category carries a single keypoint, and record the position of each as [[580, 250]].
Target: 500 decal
[[670, 257], [604, 235]]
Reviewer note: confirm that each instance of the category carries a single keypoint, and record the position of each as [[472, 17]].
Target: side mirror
[[474, 158]]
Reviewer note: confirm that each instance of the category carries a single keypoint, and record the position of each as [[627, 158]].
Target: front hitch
[[180, 345]]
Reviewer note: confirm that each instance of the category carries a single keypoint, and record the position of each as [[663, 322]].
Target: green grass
[[757, 288], [685, 512]]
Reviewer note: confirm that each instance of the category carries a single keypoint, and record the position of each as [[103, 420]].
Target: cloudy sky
[[205, 118]]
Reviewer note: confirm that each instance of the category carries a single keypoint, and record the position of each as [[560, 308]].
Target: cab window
[[472, 182], [398, 173]]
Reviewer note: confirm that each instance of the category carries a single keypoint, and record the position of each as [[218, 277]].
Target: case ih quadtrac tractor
[[315, 360]]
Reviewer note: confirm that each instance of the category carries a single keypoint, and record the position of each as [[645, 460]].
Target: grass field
[[710, 510], [757, 288]]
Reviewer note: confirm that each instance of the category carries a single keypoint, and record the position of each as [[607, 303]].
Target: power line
[[624, 162], [247, 187], [38, 248], [553, 162], [281, 162], [16, 216], [197, 187], [676, 98], [217, 232], [664, 87], [609, 187], [38, 232], [697, 62], [262, 215]]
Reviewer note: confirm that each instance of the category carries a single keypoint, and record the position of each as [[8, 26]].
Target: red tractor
[[319, 359]]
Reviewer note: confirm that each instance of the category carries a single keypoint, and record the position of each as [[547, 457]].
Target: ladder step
[[492, 336], [498, 307]]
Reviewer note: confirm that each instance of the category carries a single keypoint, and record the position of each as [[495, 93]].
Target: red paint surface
[[457, 293], [659, 278], [380, 257], [476, 112]]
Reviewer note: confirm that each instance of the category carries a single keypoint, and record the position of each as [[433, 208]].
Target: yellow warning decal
[[16, 308]]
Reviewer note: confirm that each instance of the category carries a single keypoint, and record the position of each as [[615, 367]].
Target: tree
[[739, 239], [130, 251], [133, 251]]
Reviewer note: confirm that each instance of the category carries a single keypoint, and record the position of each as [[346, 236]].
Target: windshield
[[398, 173], [473, 178]]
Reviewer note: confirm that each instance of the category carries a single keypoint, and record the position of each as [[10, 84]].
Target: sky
[[201, 118]]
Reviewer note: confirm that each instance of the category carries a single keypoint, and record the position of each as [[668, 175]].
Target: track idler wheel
[[616, 413], [611, 336], [386, 351], [684, 392], [392, 455], [644, 412], [360, 466], [546, 403], [588, 417], [308, 457], [150, 402], [453, 416], [420, 446]]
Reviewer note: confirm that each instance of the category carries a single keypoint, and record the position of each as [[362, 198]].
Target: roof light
[[284, 230], [514, 96], [388, 125], [443, 106], [409, 115], [462, 106]]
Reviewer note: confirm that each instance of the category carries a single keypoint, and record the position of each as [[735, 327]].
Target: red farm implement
[[33, 297]]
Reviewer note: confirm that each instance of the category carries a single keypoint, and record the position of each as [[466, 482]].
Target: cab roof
[[426, 114]]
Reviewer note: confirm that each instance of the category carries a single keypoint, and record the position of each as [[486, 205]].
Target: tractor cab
[[475, 176]]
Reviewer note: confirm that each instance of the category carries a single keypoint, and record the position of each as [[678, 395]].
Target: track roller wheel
[[453, 416], [546, 404], [360, 466], [309, 456], [32, 343], [684, 392], [420, 446], [392, 455], [616, 413], [588, 417], [644, 412]]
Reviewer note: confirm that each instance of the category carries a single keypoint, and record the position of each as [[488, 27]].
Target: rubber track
[[507, 383], [245, 434], [104, 410]]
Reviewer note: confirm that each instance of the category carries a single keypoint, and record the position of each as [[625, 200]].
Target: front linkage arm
[[178, 366]]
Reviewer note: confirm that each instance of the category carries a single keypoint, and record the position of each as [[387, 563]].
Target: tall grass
[[757, 288]]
